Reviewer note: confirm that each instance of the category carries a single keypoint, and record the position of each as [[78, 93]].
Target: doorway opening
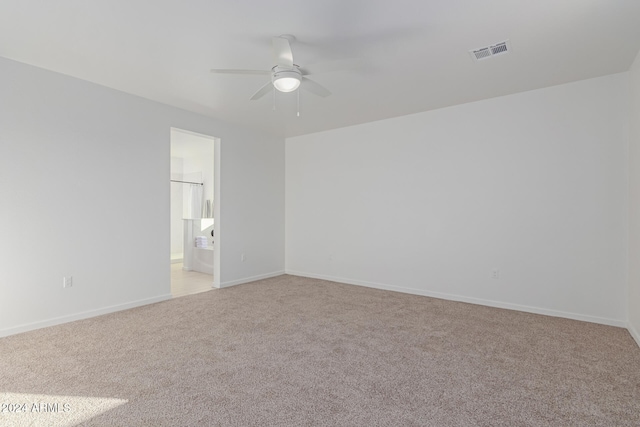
[[194, 212]]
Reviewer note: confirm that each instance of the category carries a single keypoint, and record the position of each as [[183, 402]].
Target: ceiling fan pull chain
[[298, 92], [274, 100]]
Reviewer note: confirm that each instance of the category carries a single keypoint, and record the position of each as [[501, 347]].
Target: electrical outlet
[[243, 258], [495, 274], [67, 281]]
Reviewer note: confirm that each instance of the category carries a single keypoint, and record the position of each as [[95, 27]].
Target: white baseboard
[[251, 279], [79, 316], [634, 333], [471, 300]]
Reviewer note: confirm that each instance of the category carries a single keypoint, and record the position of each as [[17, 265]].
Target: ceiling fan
[[286, 76]]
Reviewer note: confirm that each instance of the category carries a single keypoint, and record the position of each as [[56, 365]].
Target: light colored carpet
[[292, 351]]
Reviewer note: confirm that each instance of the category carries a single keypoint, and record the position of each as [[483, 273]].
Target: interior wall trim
[[251, 279], [81, 315], [471, 300]]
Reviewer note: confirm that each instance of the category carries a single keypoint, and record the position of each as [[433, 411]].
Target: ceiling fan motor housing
[[286, 79]]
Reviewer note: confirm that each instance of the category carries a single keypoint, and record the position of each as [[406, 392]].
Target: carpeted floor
[[291, 351]]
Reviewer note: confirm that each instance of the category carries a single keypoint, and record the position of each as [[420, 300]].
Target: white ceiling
[[415, 52]]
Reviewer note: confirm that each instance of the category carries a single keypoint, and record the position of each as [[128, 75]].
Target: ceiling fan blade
[[329, 66], [282, 54], [268, 87], [232, 71], [315, 88]]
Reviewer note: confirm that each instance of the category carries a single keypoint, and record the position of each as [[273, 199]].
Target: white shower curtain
[[194, 205]]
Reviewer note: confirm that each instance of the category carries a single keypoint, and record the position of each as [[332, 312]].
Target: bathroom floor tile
[[188, 282]]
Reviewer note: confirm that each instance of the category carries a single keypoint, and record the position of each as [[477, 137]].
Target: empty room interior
[[409, 213]]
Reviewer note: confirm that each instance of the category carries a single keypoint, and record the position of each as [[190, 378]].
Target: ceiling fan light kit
[[286, 80]]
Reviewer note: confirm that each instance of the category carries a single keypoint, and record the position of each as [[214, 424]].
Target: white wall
[[197, 155], [84, 191], [634, 199], [532, 184]]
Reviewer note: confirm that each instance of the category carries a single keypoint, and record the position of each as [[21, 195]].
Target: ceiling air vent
[[487, 52]]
